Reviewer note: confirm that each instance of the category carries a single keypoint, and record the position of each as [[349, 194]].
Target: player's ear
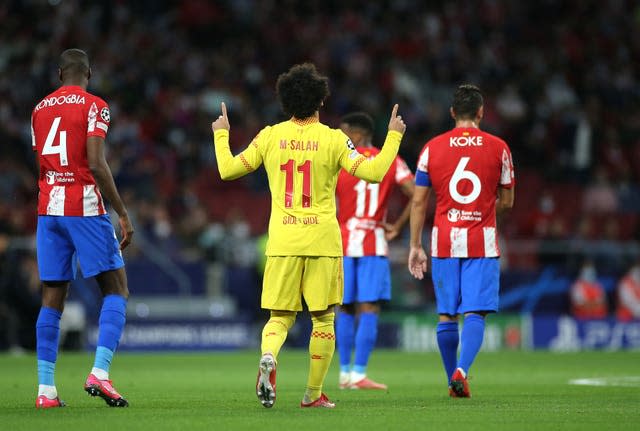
[[480, 113], [60, 74], [452, 112], [89, 74]]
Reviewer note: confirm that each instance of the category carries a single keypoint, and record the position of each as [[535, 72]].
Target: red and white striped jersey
[[60, 126], [362, 208], [466, 166]]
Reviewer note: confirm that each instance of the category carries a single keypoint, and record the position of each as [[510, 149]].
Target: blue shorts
[[60, 240], [366, 279], [462, 285]]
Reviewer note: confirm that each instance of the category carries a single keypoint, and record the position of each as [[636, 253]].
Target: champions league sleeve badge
[[350, 145], [105, 115]]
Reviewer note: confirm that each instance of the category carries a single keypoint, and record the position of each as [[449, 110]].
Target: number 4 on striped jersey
[[61, 147]]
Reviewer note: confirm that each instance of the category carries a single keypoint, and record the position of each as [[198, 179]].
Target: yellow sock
[[321, 347], [275, 331]]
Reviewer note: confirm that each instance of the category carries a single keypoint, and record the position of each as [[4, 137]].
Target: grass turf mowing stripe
[[511, 390]]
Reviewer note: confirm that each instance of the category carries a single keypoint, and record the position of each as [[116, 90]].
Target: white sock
[[307, 399], [100, 374], [48, 391], [356, 377], [345, 377]]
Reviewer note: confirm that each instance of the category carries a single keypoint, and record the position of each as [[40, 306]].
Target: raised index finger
[[224, 109], [394, 112]]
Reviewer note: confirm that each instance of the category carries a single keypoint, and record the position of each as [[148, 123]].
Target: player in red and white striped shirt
[[362, 211], [471, 173], [68, 130]]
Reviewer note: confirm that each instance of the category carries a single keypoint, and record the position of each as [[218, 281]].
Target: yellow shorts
[[287, 279]]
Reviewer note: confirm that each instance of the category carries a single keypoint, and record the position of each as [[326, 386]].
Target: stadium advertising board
[[181, 335], [563, 333], [417, 332]]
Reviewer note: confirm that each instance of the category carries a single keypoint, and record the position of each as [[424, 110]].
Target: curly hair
[[302, 90], [466, 101]]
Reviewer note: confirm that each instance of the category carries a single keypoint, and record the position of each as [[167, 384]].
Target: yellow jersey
[[302, 159]]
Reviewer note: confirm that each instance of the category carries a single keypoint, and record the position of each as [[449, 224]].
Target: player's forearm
[[104, 179], [418, 210], [374, 170], [404, 217], [229, 167], [505, 200]]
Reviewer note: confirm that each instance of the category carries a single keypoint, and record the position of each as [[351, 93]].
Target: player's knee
[[124, 291], [368, 307], [322, 318], [348, 308], [287, 318], [54, 294], [113, 283]]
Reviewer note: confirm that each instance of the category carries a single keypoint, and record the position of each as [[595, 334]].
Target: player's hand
[[391, 231], [396, 123], [417, 262], [222, 123], [127, 231]]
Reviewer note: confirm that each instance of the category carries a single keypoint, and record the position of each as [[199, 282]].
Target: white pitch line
[[626, 381]]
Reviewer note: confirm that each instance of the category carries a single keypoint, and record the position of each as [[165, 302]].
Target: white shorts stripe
[[434, 242], [459, 242], [490, 242], [90, 201], [381, 242], [55, 206], [355, 247]]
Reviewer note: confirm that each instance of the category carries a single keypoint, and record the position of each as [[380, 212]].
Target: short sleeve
[[33, 136], [403, 173], [423, 160], [507, 173], [98, 118]]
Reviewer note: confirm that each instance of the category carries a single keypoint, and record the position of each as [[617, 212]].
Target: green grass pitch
[[215, 391]]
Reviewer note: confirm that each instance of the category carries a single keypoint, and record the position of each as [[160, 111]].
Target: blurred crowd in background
[[560, 79]]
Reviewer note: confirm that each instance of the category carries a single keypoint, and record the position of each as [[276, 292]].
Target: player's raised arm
[[222, 123], [231, 167], [375, 169], [395, 122]]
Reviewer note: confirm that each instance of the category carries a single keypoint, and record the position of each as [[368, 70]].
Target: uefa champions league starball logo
[[105, 115], [350, 145]]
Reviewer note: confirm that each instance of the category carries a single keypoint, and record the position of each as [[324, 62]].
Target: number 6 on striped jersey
[[461, 174]]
